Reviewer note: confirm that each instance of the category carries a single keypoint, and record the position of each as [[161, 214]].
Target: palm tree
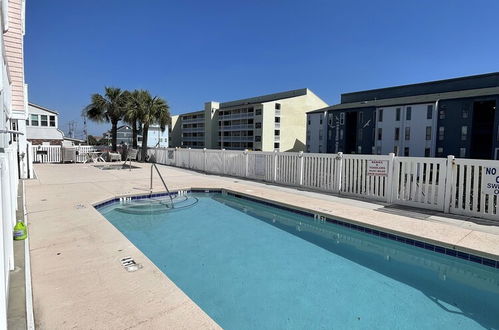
[[133, 113], [153, 110], [107, 108]]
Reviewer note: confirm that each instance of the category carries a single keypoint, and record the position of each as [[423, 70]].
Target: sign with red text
[[377, 167]]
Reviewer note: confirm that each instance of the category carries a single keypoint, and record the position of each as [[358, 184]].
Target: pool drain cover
[[130, 265]]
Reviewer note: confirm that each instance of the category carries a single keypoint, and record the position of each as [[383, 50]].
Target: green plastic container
[[20, 231]]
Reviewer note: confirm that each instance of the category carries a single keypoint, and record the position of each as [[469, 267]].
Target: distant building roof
[[431, 87], [426, 98], [265, 98], [43, 108]]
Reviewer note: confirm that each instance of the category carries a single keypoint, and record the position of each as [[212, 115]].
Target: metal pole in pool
[[150, 187]]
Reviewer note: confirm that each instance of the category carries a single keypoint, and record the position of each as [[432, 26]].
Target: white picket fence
[[443, 184], [54, 154]]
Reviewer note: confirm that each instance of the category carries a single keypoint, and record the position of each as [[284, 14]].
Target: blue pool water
[[253, 266]]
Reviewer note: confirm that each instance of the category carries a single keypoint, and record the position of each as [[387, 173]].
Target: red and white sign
[[377, 167]]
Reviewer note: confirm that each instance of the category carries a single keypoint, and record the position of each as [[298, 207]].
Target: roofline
[[42, 108], [422, 83], [266, 98], [416, 99]]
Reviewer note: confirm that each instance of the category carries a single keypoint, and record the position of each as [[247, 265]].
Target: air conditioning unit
[[68, 154]]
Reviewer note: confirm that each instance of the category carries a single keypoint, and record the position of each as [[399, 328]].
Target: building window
[[308, 123], [27, 122], [441, 132], [441, 113], [464, 111], [34, 120], [397, 133], [427, 152], [44, 120], [278, 132], [408, 113], [440, 151], [396, 150], [462, 152], [407, 133], [341, 134], [378, 150], [380, 115], [278, 106], [276, 145], [428, 133], [258, 138], [429, 111], [342, 118], [258, 125], [406, 151], [277, 119], [464, 133], [320, 134], [397, 114], [380, 134], [361, 117], [52, 121], [359, 149], [258, 112], [359, 135], [320, 122]]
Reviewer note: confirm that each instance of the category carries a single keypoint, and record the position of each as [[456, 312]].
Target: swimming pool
[[255, 266]]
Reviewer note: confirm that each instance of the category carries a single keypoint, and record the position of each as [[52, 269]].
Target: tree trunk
[[134, 134], [114, 134], [145, 132]]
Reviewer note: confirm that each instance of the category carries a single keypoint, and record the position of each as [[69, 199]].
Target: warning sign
[[377, 167]]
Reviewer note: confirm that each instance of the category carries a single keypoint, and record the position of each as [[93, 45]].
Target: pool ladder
[[153, 165]]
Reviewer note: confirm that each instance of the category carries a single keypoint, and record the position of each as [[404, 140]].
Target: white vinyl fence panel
[[356, 180], [467, 193], [320, 172], [420, 182]]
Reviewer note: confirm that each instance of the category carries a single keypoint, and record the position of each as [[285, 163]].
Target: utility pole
[[85, 131]]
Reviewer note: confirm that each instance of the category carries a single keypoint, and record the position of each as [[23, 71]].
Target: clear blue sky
[[190, 52]]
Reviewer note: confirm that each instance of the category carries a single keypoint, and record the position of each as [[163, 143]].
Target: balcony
[[193, 120], [193, 129], [236, 127], [237, 116], [236, 138], [277, 125]]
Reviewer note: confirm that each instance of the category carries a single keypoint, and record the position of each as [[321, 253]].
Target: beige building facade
[[263, 123]]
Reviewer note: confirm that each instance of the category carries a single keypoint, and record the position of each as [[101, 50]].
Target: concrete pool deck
[[77, 278]]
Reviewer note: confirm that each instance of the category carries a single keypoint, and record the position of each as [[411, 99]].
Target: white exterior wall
[[418, 123], [314, 132], [43, 132], [157, 138]]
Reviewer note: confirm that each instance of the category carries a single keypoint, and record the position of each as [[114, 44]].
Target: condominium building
[[269, 122], [432, 119]]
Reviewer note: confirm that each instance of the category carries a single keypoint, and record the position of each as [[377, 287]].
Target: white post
[[275, 165], [300, 155], [223, 161], [389, 179], [245, 163], [449, 180], [189, 162], [204, 160], [337, 176]]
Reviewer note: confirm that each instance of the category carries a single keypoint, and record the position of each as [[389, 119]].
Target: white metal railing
[[458, 186]]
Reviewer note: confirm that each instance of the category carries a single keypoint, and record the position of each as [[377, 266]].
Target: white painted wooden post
[[223, 161], [189, 162], [204, 160], [389, 179], [337, 175], [275, 165], [300, 155], [245, 163], [448, 196]]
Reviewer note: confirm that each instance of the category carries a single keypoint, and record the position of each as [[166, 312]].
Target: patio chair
[[112, 156], [130, 155]]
